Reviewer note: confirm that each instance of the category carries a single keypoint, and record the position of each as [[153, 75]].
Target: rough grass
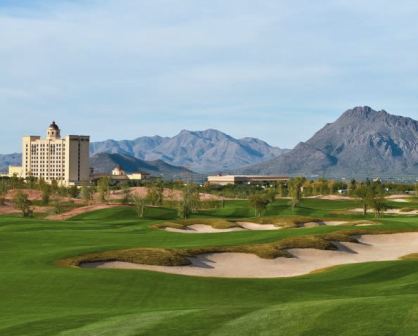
[[412, 256], [148, 256], [406, 209], [292, 221]]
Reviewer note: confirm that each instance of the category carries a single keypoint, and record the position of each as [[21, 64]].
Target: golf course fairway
[[40, 297]]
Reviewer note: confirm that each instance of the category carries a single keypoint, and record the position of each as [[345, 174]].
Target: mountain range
[[105, 162], [7, 160], [361, 143], [200, 151], [196, 151]]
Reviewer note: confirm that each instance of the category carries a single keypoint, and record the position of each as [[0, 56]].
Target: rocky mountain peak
[[361, 143]]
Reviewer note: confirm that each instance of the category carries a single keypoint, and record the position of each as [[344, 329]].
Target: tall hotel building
[[65, 160]]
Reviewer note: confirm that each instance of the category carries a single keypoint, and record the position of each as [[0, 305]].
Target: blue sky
[[277, 70]]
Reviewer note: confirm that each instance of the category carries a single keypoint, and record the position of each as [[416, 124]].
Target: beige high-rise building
[[65, 160]]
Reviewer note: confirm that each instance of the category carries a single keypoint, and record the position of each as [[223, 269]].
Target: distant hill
[[202, 151], [105, 162], [361, 143], [7, 160]]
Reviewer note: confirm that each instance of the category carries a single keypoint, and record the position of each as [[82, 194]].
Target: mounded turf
[[39, 298]]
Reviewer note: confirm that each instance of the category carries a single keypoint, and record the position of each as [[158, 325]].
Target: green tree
[[4, 187], [63, 191], [190, 201], [21, 202], [282, 189], [31, 182], [155, 193], [259, 202], [58, 207], [271, 194], [363, 193], [377, 198], [139, 203], [54, 186], [73, 191], [45, 193], [103, 188], [221, 195], [16, 182], [87, 193], [126, 193], [295, 190]]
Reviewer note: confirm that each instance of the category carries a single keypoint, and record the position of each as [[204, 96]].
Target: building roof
[[54, 126]]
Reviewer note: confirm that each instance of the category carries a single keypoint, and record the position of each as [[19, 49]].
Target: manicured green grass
[[37, 297]]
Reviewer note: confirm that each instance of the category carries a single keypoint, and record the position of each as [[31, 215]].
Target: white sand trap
[[258, 227], [315, 224], [400, 212], [242, 265], [400, 200], [389, 211], [202, 228], [332, 197], [335, 223], [367, 224], [398, 196]]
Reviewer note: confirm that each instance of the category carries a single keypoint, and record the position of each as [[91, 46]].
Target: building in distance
[[119, 175], [65, 160], [245, 179]]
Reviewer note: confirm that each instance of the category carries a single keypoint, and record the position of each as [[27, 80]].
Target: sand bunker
[[336, 223], [331, 223], [399, 196], [367, 224], [332, 197], [390, 211], [401, 212], [242, 265], [202, 228], [258, 227], [242, 226]]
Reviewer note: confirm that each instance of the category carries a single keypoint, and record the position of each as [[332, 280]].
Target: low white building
[[15, 171], [118, 174], [244, 179]]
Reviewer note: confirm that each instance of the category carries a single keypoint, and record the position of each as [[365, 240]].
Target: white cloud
[[165, 65]]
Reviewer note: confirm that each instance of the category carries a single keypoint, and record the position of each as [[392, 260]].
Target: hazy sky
[[277, 70]]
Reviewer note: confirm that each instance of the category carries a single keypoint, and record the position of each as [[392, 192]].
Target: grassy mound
[[216, 223], [148, 256], [180, 257]]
